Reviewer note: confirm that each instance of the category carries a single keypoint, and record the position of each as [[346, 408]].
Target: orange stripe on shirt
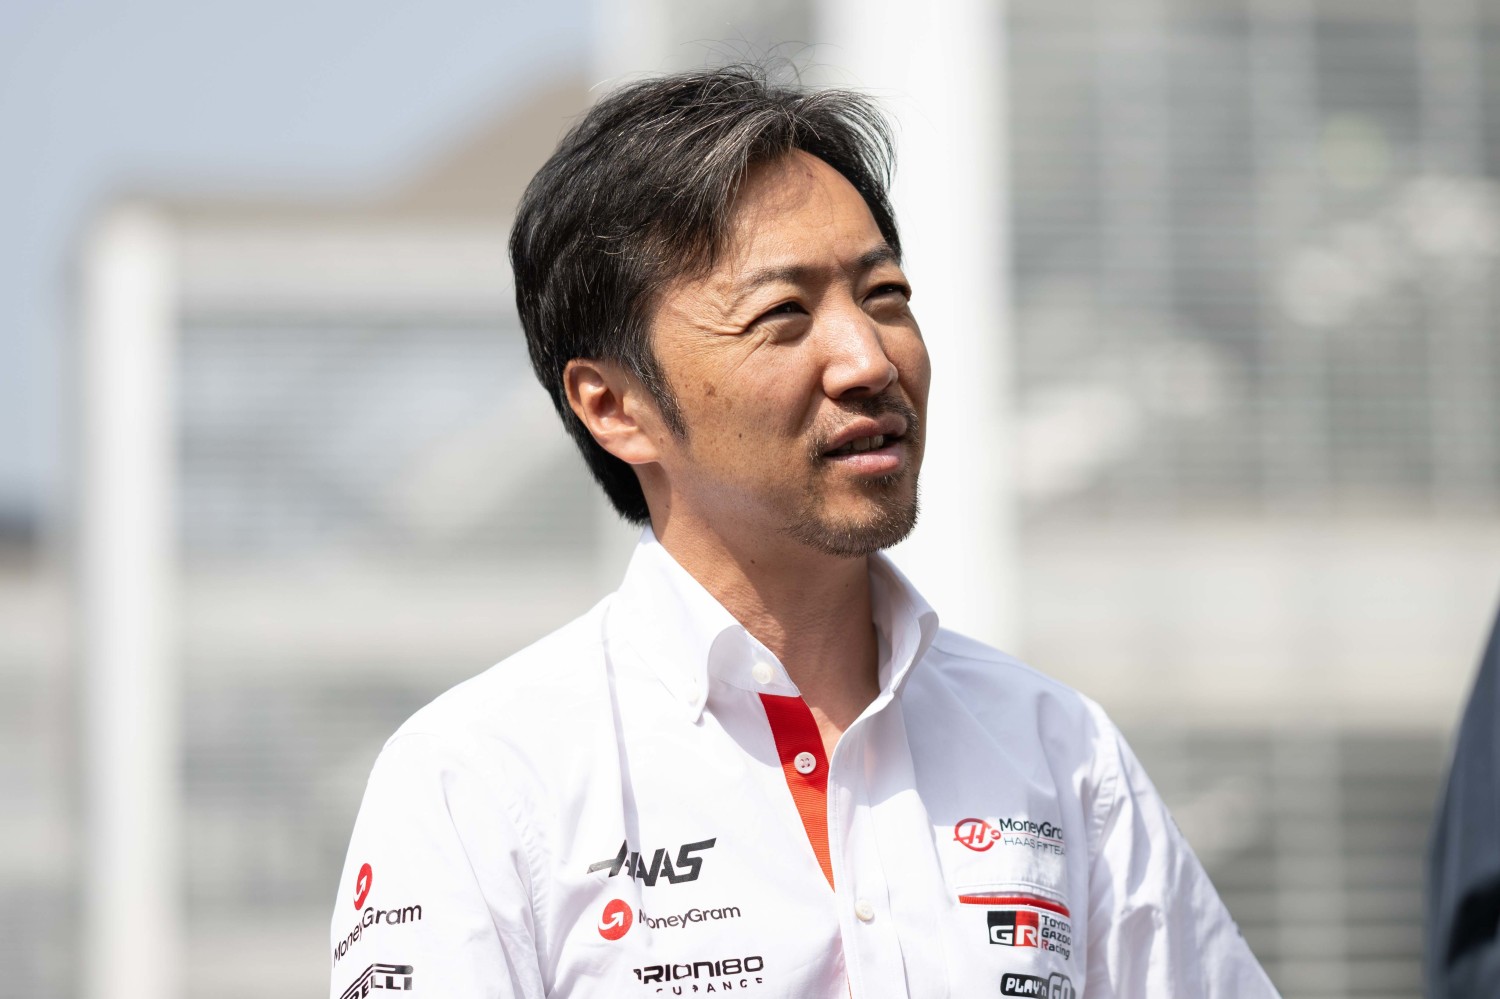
[[795, 731]]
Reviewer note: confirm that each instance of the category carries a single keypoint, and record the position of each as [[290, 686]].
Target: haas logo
[[976, 834], [362, 886], [615, 921]]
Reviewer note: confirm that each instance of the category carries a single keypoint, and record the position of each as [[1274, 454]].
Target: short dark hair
[[641, 192]]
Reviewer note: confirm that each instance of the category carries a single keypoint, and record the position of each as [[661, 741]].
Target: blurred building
[[1259, 474], [376, 500], [1255, 244]]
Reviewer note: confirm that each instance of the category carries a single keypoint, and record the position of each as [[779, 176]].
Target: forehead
[[793, 214], [797, 199]]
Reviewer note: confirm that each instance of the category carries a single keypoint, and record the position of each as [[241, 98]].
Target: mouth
[[860, 445], [870, 447]]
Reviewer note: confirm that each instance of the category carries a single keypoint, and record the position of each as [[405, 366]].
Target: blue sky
[[98, 97]]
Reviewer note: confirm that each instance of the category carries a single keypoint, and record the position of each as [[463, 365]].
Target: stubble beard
[[896, 513]]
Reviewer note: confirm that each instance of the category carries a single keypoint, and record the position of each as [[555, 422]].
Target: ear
[[614, 406]]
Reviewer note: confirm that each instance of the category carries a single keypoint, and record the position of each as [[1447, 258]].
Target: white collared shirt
[[634, 806]]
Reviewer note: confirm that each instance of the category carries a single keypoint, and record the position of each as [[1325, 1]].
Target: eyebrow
[[796, 273]]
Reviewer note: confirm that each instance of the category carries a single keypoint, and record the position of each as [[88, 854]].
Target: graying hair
[[641, 192]]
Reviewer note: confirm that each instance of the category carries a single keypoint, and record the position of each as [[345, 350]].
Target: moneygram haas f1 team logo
[[979, 835]]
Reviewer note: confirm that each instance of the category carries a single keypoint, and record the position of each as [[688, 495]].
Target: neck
[[811, 609]]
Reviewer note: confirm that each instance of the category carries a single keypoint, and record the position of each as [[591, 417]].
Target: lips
[[867, 434]]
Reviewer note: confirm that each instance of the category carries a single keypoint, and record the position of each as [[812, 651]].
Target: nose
[[857, 363]]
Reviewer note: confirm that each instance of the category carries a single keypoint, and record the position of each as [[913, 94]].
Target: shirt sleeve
[[1157, 927], [435, 896]]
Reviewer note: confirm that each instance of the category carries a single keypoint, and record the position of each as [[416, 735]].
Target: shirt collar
[[685, 636]]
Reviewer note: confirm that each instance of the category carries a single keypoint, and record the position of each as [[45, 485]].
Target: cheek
[[915, 368]]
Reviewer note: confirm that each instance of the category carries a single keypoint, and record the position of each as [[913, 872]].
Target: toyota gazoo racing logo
[[615, 920], [686, 867], [1054, 986], [979, 835], [710, 976], [1031, 928], [396, 977]]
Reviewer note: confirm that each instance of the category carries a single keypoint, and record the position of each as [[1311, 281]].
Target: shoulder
[[531, 692], [971, 693], [988, 679]]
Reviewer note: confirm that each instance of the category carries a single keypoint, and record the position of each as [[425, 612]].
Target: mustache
[[872, 407]]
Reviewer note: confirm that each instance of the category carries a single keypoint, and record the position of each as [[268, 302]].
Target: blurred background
[[1210, 287]]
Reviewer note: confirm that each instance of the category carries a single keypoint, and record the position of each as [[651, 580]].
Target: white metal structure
[[131, 897], [942, 77]]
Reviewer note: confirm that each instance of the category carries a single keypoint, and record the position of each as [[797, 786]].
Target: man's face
[[800, 373]]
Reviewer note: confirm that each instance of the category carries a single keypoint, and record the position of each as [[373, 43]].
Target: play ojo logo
[[976, 834], [362, 886], [615, 921]]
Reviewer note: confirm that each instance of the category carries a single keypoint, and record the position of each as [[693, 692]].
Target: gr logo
[[1054, 986], [1014, 928]]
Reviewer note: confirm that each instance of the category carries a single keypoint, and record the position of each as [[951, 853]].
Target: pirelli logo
[[396, 977]]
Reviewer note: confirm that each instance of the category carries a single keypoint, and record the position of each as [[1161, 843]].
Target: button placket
[[872, 947]]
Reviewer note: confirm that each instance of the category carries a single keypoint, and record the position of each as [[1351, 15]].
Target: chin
[[855, 536]]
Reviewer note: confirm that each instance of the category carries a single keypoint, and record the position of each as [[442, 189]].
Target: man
[[1462, 920], [759, 767]]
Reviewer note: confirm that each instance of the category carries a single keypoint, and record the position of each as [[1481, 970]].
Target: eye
[[784, 309], [892, 288], [888, 300]]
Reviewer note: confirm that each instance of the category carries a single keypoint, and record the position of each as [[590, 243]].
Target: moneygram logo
[[1025, 827], [375, 917], [689, 917], [362, 886], [1054, 986], [615, 920]]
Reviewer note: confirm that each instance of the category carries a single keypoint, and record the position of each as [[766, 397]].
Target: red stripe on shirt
[[795, 731], [1031, 900]]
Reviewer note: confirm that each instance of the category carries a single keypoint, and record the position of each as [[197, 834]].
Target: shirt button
[[762, 672], [864, 910], [805, 763]]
